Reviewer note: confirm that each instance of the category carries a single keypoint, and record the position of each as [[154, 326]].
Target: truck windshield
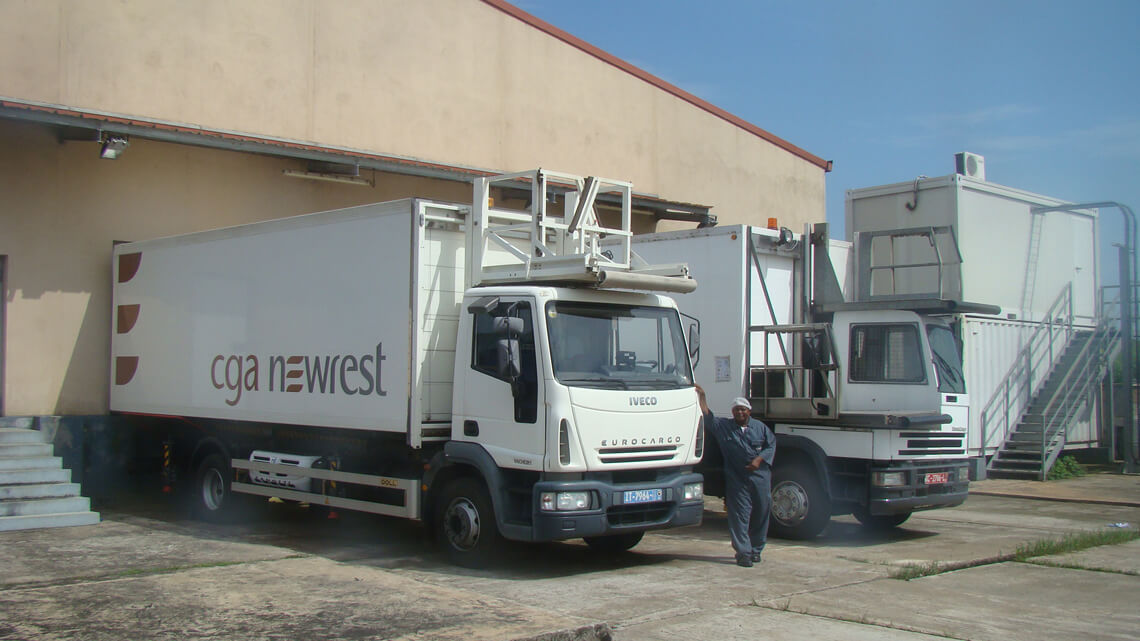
[[617, 346], [947, 359]]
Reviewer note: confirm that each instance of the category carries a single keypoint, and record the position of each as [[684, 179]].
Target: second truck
[[487, 370], [866, 396]]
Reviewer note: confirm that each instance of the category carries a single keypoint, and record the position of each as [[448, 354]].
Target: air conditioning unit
[[971, 165]]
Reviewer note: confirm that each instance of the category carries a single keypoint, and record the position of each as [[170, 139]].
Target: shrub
[[1066, 467]]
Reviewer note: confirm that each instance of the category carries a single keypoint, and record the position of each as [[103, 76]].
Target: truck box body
[[263, 323], [1036, 254], [1010, 257]]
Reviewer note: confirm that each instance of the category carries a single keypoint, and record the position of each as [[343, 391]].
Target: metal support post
[[1127, 360]]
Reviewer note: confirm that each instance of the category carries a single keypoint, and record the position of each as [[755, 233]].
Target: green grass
[[1045, 547], [1074, 543], [917, 571]]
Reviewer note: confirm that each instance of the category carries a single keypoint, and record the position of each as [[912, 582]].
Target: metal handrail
[[1073, 392], [1016, 390]]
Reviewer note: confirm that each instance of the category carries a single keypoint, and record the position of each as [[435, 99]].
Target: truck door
[[500, 406], [946, 351]]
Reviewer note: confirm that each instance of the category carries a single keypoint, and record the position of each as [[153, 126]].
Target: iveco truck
[[865, 397], [484, 369]]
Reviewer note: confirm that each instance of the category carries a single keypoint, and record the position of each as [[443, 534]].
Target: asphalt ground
[[149, 572]]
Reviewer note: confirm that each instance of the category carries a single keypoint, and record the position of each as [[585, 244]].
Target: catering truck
[[486, 370], [864, 395]]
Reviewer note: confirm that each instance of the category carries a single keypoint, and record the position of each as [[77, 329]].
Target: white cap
[[740, 401]]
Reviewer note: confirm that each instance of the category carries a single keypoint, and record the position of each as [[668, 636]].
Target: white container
[[261, 323], [1011, 257]]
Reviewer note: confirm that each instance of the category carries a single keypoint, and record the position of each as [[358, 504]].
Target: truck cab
[[578, 407]]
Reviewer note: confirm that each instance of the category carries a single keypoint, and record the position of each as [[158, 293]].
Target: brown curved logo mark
[[127, 316], [125, 368], [129, 266]]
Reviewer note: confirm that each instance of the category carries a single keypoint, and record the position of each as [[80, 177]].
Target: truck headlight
[[888, 479], [565, 501], [694, 491]]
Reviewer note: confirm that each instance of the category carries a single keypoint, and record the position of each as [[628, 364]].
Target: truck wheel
[[879, 522], [212, 497], [614, 543], [465, 524], [800, 507]]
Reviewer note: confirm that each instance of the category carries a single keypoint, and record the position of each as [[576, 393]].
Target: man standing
[[748, 447]]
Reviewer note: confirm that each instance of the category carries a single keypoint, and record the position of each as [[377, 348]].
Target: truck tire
[[614, 543], [212, 498], [879, 522], [465, 524], [800, 507]]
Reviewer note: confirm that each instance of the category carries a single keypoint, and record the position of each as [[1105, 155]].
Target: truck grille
[[933, 443], [649, 453], [646, 514]]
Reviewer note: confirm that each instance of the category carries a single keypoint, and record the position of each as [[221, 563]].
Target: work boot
[[744, 560], [755, 557]]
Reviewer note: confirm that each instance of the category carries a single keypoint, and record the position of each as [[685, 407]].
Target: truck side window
[[886, 353], [485, 355]]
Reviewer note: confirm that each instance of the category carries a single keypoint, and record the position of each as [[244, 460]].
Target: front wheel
[[614, 543], [800, 507], [879, 522], [465, 524], [213, 498]]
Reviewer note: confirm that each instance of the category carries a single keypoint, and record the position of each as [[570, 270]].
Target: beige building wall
[[457, 82]]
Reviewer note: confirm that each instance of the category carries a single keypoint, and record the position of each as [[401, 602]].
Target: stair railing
[[1003, 411], [1074, 392]]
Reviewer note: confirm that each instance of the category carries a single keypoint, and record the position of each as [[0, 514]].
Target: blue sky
[[1047, 91]]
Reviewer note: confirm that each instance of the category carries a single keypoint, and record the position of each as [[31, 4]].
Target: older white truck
[[484, 369], [865, 397]]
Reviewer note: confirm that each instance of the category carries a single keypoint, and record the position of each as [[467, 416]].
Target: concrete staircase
[[35, 490]]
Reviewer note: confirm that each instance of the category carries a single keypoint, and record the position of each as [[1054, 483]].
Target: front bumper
[[609, 514], [916, 494]]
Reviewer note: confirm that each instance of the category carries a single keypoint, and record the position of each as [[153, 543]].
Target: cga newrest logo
[[350, 374]]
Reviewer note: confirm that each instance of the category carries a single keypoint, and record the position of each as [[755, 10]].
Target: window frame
[[917, 334]]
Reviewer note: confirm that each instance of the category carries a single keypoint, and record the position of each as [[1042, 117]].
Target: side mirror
[[508, 326], [508, 363], [695, 342]]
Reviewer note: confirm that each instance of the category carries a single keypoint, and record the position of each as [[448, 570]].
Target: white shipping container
[[1010, 257], [343, 318]]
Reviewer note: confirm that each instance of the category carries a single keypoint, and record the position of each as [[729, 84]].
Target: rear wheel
[[800, 507], [614, 543], [465, 524], [879, 522]]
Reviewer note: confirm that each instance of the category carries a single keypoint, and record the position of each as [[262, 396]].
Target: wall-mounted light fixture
[[113, 145]]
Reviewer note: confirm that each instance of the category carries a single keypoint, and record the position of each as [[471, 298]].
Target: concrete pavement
[[147, 573]]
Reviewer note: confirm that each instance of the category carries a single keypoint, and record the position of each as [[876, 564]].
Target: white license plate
[[937, 478], [642, 496]]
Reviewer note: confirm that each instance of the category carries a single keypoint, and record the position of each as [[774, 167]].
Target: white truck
[[855, 391], [468, 366]]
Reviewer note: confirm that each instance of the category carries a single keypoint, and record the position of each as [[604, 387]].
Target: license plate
[[937, 478], [642, 496]]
